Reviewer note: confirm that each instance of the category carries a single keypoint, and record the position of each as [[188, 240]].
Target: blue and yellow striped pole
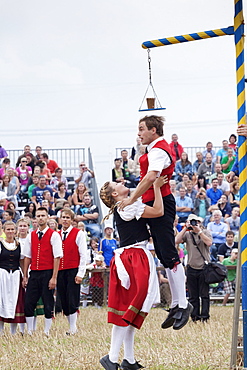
[[189, 37], [242, 157]]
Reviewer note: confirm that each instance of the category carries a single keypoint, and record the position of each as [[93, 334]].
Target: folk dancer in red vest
[[43, 250], [158, 162], [72, 268]]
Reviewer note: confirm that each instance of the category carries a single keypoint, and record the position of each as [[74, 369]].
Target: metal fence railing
[[99, 297], [190, 150], [67, 158]]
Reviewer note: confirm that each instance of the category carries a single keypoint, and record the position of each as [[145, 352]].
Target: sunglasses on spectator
[[23, 161]]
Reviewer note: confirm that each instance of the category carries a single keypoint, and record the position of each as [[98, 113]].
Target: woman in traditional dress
[[133, 287], [11, 291]]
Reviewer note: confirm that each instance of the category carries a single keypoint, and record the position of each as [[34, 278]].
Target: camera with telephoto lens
[[193, 223]]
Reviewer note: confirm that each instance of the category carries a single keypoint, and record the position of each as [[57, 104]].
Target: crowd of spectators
[[200, 187], [39, 181]]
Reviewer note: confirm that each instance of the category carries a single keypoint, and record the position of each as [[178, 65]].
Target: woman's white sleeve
[[134, 210]]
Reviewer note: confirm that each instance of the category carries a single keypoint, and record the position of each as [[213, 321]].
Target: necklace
[[7, 245]]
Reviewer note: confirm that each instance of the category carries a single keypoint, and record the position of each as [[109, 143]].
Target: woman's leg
[[129, 345], [117, 339]]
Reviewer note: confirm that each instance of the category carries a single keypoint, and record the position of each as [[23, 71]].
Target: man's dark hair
[[230, 232], [42, 209], [10, 212], [28, 214], [45, 155], [6, 160], [154, 121]]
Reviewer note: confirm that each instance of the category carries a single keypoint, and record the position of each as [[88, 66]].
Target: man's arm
[[82, 248], [26, 264], [179, 237], [91, 216], [226, 164], [143, 186], [57, 251], [53, 281], [34, 198]]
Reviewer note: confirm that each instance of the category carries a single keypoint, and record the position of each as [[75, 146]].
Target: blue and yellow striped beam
[[189, 37], [242, 157]]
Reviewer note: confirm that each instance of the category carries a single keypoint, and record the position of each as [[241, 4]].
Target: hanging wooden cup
[[150, 103]]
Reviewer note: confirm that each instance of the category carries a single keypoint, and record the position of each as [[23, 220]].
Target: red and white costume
[[134, 286]]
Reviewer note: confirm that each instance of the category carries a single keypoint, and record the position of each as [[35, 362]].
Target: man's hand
[[78, 280], [230, 176], [52, 283], [196, 229], [24, 282], [242, 130], [124, 203], [160, 181]]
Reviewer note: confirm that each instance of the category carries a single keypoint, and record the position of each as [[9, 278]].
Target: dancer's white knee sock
[[13, 327], [129, 345], [29, 321], [176, 280], [117, 338], [72, 322], [35, 319], [22, 327], [48, 323]]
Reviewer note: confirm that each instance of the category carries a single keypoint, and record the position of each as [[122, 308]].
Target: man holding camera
[[198, 242], [84, 175]]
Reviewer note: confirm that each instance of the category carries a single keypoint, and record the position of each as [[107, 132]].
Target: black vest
[[10, 260], [131, 232]]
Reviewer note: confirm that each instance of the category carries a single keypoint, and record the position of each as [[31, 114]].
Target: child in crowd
[[133, 286], [94, 245], [52, 224], [229, 283], [108, 245], [81, 226], [97, 281]]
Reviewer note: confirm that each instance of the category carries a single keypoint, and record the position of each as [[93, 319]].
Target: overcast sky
[[73, 73]]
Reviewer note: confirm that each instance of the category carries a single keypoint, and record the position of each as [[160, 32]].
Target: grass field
[[195, 347]]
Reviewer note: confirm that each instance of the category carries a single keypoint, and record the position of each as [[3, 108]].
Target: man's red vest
[[165, 190], [71, 257], [42, 254]]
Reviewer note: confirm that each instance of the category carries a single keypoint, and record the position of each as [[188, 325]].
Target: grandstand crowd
[[206, 188]]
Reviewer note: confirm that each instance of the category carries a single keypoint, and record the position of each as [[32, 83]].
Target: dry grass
[[195, 347]]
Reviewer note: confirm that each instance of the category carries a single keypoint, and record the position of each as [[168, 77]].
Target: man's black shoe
[[169, 321], [107, 364], [125, 365], [182, 317]]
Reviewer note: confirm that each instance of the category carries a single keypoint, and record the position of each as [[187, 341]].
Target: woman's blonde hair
[[26, 220], [8, 223], [107, 198]]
